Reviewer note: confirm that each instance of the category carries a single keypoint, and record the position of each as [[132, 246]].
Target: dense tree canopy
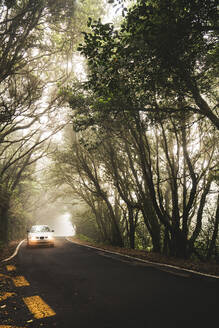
[[37, 38], [142, 156], [148, 114], [163, 60]]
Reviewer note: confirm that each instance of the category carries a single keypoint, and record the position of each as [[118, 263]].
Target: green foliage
[[146, 119], [161, 61], [85, 225], [84, 238]]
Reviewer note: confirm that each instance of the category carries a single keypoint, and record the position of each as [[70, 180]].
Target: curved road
[[83, 287]]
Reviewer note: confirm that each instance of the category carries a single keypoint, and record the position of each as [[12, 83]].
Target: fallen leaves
[[6, 295]]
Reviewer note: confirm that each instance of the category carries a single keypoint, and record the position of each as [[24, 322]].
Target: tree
[[14, 168], [162, 61], [80, 171], [156, 78], [22, 32], [119, 159], [35, 35]]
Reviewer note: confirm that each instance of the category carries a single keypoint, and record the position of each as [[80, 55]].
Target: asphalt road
[[83, 287]]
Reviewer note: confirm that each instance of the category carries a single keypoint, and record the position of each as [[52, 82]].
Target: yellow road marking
[[10, 326], [10, 267], [20, 281], [5, 296], [38, 307]]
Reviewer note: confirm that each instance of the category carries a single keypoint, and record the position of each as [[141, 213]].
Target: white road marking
[[15, 252], [146, 261]]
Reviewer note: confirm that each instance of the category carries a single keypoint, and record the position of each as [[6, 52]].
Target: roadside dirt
[[8, 250]]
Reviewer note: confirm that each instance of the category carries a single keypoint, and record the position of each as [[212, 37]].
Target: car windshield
[[40, 229]]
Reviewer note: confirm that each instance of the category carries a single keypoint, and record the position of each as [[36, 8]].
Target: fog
[[61, 224]]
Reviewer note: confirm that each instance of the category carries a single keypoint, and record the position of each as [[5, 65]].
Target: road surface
[[75, 286]]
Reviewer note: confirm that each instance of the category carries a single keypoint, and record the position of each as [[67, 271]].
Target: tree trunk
[[166, 242], [4, 223], [199, 100], [215, 233], [153, 228], [179, 244], [116, 234], [198, 226], [131, 228]]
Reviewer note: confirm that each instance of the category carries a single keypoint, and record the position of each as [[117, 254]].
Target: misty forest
[[109, 112]]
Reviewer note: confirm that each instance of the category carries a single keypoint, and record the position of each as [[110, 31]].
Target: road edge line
[[146, 261], [15, 252]]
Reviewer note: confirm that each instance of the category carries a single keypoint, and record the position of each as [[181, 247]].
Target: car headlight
[[50, 237], [33, 238]]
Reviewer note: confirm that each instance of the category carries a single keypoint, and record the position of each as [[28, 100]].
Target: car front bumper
[[40, 242]]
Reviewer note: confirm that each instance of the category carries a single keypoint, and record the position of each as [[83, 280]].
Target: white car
[[40, 235]]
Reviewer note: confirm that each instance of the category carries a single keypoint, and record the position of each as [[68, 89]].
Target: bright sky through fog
[[63, 226], [112, 14], [77, 62]]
